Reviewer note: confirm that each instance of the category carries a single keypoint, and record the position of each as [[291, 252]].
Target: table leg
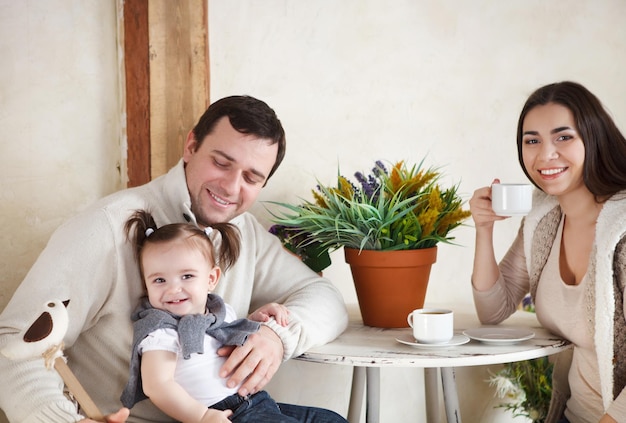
[[372, 409], [356, 395], [450, 396], [372, 380], [431, 395]]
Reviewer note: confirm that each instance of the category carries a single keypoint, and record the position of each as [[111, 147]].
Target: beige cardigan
[[605, 303]]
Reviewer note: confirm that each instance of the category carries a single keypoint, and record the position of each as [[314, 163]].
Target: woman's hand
[[485, 270], [254, 363], [119, 417], [481, 208]]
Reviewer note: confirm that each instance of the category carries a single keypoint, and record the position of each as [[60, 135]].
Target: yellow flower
[[427, 220], [402, 179], [345, 188], [320, 200], [452, 218], [396, 181], [434, 199], [420, 180]]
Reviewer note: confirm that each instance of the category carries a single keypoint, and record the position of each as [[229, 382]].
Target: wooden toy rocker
[[45, 338]]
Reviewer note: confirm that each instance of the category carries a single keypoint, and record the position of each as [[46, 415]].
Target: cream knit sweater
[[88, 261]]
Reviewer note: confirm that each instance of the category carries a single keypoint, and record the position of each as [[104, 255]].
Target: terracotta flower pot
[[390, 284]]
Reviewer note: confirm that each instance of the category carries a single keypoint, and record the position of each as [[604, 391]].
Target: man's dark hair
[[247, 115]]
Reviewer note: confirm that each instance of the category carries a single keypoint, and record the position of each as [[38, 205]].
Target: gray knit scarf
[[191, 331]]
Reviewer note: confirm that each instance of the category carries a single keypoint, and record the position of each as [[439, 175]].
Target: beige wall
[[59, 120], [359, 80], [353, 81]]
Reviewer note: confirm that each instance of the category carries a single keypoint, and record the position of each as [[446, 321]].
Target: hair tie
[[149, 232], [214, 237]]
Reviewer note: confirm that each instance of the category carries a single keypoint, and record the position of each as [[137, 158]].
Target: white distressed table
[[368, 349]]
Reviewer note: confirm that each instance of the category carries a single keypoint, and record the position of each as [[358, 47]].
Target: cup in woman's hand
[[511, 199]]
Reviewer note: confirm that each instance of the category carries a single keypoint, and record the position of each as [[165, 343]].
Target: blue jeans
[[304, 414], [260, 408]]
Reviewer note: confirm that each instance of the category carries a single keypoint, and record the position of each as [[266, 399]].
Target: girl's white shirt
[[199, 375]]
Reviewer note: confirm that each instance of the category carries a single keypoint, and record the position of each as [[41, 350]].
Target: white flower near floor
[[506, 389], [524, 389]]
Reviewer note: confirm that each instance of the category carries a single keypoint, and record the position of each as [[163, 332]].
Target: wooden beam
[[137, 71], [179, 76], [167, 80]]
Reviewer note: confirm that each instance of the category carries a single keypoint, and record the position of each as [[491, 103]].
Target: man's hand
[[118, 417], [253, 363]]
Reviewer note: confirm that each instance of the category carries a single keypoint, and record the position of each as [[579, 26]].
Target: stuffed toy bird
[[44, 337]]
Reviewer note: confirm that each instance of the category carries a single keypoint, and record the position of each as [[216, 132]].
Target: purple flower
[[275, 229], [370, 184], [379, 169], [527, 303]]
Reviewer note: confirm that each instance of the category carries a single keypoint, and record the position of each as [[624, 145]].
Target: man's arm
[[266, 273], [64, 270]]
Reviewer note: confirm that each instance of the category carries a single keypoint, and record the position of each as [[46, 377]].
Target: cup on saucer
[[432, 325]]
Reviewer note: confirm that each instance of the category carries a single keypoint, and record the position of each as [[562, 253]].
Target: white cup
[[432, 325], [511, 199]]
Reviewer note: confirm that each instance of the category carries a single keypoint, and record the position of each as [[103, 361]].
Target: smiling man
[[228, 158], [226, 170]]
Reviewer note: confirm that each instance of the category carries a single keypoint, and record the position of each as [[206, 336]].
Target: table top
[[366, 346]]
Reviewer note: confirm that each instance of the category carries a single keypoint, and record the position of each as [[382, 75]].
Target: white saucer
[[499, 336], [456, 340]]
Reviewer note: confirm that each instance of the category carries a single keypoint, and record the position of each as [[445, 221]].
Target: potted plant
[[390, 218]]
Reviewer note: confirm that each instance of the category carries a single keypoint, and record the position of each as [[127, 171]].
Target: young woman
[[180, 325], [569, 252]]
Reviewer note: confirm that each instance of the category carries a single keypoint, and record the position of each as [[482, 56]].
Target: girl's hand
[[481, 208], [279, 312], [119, 417], [216, 416]]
